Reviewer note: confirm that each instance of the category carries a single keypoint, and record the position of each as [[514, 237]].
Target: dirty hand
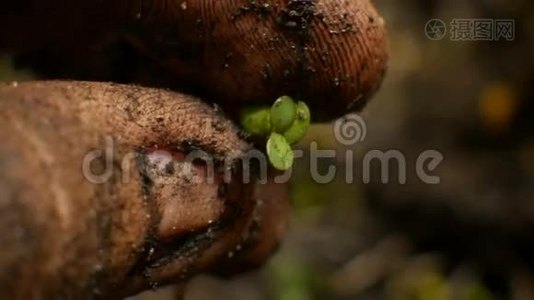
[[99, 197], [144, 225]]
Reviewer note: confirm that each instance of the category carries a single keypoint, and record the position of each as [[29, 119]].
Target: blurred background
[[469, 237]]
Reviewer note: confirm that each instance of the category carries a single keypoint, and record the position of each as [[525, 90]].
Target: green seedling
[[279, 152], [283, 114], [257, 120], [284, 123], [300, 126]]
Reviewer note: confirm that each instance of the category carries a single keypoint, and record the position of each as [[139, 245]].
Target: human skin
[[86, 240], [331, 54], [65, 236]]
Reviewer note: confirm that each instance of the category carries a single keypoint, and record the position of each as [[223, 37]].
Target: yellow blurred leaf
[[498, 106]]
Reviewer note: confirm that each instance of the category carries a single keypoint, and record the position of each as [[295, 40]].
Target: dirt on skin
[[84, 235], [332, 54]]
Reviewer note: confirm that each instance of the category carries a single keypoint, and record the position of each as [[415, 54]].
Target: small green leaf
[[283, 114], [298, 129], [257, 120], [279, 151]]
